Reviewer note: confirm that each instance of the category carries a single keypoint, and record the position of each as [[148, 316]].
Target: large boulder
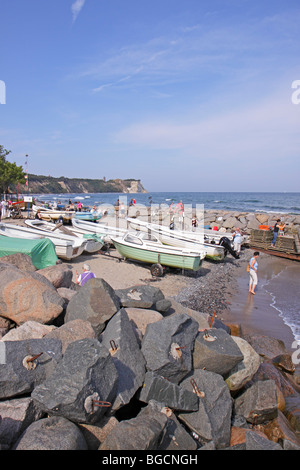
[[258, 403], [85, 376], [28, 330], [141, 433], [168, 344], [27, 296], [119, 338], [20, 261], [16, 416], [212, 421], [53, 433], [96, 302], [26, 363], [60, 275], [72, 331], [142, 296], [169, 394], [244, 371], [216, 351]]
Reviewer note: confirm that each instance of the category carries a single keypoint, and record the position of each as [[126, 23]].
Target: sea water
[[284, 292], [283, 287], [285, 203]]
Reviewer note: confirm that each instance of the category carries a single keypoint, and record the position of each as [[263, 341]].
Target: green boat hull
[[165, 259]]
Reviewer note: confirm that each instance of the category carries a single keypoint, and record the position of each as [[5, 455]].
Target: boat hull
[[151, 256], [189, 240], [64, 249]]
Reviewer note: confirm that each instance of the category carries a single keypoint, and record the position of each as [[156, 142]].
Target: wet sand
[[255, 313]]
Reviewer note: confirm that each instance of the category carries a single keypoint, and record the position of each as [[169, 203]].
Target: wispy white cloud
[[76, 8]]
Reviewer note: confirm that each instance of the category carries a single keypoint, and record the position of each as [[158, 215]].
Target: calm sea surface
[[248, 202], [283, 288]]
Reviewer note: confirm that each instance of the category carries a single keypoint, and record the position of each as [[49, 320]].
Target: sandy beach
[[217, 287]]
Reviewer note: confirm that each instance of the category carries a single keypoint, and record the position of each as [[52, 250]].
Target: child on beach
[[281, 229]]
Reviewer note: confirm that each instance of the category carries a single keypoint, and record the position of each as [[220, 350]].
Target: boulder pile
[[246, 221], [93, 368]]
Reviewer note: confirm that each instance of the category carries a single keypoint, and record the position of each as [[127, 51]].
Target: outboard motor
[[227, 245]]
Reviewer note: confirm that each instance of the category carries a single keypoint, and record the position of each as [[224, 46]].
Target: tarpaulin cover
[[41, 251]]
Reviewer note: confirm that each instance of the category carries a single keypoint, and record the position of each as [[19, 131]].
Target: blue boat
[[91, 216]]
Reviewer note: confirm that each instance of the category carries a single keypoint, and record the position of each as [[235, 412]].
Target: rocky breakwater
[[246, 221], [91, 368]]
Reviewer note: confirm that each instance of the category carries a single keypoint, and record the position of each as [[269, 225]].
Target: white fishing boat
[[100, 229], [93, 244], [139, 248], [182, 239], [65, 249], [53, 214]]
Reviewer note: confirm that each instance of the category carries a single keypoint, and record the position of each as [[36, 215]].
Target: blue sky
[[185, 95]]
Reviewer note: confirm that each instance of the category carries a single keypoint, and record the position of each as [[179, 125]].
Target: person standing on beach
[[275, 231], [253, 272], [85, 276], [237, 241]]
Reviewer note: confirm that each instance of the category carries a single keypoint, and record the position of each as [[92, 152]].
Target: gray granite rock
[[167, 346], [53, 433], [96, 302], [169, 394], [16, 416], [142, 296], [141, 433], [119, 338], [216, 351], [19, 373], [85, 375], [258, 403], [212, 421]]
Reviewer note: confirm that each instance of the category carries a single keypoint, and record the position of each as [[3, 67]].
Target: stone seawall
[[249, 220]]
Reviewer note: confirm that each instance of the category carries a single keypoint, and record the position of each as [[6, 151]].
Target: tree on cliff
[[10, 173]]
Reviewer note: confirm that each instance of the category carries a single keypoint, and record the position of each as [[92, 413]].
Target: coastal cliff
[[39, 184]]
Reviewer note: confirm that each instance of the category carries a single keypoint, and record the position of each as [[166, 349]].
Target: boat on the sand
[[139, 248], [93, 244], [65, 248]]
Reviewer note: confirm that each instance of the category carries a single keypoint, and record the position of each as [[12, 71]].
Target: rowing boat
[[65, 248], [134, 247], [93, 244]]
